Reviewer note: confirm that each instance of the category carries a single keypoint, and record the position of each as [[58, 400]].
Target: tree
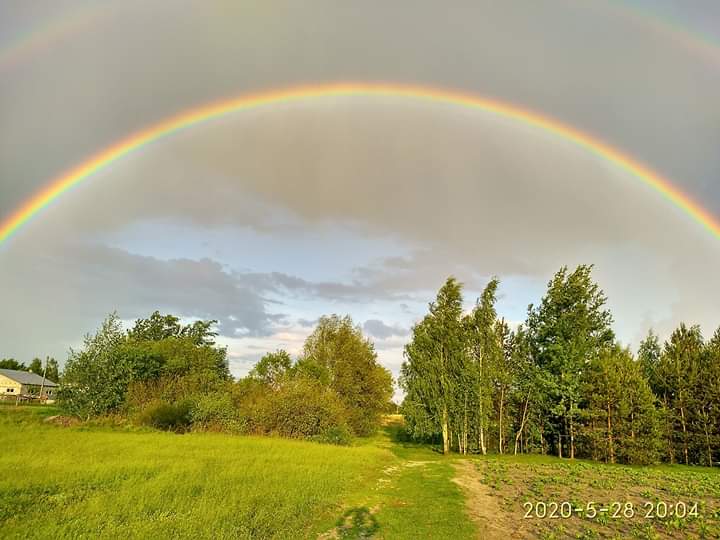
[[621, 422], [649, 357], [338, 349], [94, 383], [568, 330], [157, 358], [36, 366], [155, 328], [483, 347], [709, 399], [53, 370], [677, 377], [272, 368], [11, 363], [502, 377], [525, 396], [435, 352], [158, 327]]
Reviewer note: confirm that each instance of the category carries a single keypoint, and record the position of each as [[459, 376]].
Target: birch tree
[[432, 360]]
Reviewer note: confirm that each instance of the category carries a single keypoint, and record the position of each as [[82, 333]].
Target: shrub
[[301, 408], [339, 435], [216, 412], [167, 416]]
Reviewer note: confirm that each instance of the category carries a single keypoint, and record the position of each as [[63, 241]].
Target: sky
[[267, 219]]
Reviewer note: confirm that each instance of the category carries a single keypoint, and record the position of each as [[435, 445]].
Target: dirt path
[[484, 509]]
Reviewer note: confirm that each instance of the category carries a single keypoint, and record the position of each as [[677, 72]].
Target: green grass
[[62, 483], [115, 480], [101, 482], [413, 498]]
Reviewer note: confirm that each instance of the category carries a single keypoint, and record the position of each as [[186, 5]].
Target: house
[[24, 384]]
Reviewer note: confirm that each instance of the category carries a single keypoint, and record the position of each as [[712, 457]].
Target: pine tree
[[708, 400], [620, 419], [677, 376], [649, 357]]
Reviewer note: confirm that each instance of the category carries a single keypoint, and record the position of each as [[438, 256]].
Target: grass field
[[114, 482], [99, 482]]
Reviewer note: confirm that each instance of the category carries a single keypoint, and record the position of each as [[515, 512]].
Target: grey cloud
[[65, 289], [307, 323], [380, 330], [591, 65], [467, 192], [483, 184], [356, 291]]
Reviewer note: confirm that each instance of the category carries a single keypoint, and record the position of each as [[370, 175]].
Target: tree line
[[560, 382], [173, 376], [36, 366]]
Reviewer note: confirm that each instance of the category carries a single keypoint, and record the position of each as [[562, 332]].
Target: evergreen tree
[[677, 377], [649, 357], [707, 393], [53, 371], [620, 419]]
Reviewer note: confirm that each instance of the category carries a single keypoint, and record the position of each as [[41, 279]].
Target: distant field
[[70, 482]]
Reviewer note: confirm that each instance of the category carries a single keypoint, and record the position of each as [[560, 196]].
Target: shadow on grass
[[357, 523]]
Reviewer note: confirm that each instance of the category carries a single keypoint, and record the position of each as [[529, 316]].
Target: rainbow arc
[[206, 113]]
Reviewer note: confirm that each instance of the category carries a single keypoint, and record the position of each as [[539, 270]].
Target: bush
[[167, 416], [339, 435], [300, 409], [216, 412]]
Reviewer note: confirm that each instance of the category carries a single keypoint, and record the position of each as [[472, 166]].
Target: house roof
[[25, 377]]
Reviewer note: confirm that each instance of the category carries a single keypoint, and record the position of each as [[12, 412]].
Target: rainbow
[[692, 39], [66, 181], [48, 33]]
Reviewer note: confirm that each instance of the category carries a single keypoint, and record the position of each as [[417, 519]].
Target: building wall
[[8, 386]]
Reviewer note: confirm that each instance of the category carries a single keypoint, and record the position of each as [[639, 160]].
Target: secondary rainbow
[[49, 32], [205, 113]]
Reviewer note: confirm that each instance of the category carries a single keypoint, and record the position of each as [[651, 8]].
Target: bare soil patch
[[483, 506]]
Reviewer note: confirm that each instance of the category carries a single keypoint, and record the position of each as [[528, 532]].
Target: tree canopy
[[559, 382]]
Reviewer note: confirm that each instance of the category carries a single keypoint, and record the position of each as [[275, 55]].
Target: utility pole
[[42, 386]]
